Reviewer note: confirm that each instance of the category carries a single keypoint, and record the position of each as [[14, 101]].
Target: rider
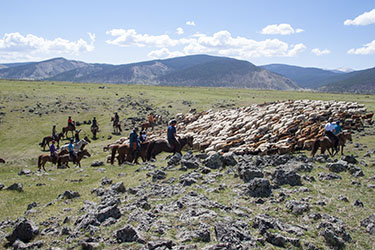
[[70, 123], [143, 136], [338, 128], [171, 135], [94, 123], [54, 132], [117, 119], [329, 131], [53, 152], [134, 143], [76, 136], [151, 120], [71, 151]]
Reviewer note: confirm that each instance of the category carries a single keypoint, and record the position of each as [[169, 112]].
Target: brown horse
[[325, 144], [123, 151], [66, 129], [46, 140], [43, 158], [65, 159], [158, 146], [116, 126]]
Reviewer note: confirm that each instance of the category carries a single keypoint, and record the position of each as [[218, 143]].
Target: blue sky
[[326, 34]]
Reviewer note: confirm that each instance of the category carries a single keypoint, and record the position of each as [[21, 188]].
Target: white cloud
[[219, 43], [180, 31], [280, 29], [367, 49], [363, 19], [319, 52], [17, 46], [191, 23], [164, 53]]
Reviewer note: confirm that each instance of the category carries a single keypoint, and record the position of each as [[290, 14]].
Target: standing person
[[171, 135], [151, 120], [329, 131], [134, 144], [54, 133], [53, 152], [71, 151], [76, 136]]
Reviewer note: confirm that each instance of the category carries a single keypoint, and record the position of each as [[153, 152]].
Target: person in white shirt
[[330, 132]]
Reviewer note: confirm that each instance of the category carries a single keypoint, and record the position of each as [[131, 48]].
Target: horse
[[43, 158], [94, 130], [342, 140], [325, 144], [64, 159], [158, 146], [66, 129], [78, 146], [123, 150], [46, 140], [116, 126], [2, 160]]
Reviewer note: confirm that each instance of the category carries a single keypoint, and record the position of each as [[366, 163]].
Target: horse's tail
[[315, 147], [114, 150], [39, 161], [150, 149]]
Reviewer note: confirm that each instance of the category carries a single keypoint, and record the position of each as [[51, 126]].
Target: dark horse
[[46, 140], [65, 158], [158, 146], [116, 126], [66, 129], [94, 130], [325, 144]]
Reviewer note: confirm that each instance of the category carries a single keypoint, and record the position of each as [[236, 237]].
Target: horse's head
[[112, 119], [86, 139], [190, 140], [86, 153], [348, 136]]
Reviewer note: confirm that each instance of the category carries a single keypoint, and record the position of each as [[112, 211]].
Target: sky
[[326, 34]]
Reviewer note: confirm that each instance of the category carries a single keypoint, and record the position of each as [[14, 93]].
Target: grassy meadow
[[28, 109]]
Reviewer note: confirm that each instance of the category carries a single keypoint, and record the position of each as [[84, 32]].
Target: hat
[[53, 141], [135, 129], [172, 121]]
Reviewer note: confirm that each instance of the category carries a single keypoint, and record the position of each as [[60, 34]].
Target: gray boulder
[[297, 207], [118, 187], [16, 186], [349, 159], [247, 173], [228, 159], [286, 176], [127, 234], [175, 159], [68, 195], [25, 231], [214, 161], [259, 187], [97, 163], [338, 166]]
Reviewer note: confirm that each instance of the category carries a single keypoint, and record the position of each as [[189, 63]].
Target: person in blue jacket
[[171, 136], [134, 144]]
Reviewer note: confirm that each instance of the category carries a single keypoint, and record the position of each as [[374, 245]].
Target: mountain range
[[195, 70]]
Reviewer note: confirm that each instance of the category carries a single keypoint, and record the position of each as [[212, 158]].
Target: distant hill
[[311, 78], [196, 70], [362, 82]]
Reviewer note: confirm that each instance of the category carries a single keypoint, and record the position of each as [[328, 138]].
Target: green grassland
[[52, 102]]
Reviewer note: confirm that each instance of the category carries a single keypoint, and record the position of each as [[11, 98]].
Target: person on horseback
[[338, 128], [329, 131], [117, 119], [71, 151], [151, 120], [54, 133], [53, 152], [143, 136], [134, 144], [94, 123], [76, 135], [70, 123], [171, 136]]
